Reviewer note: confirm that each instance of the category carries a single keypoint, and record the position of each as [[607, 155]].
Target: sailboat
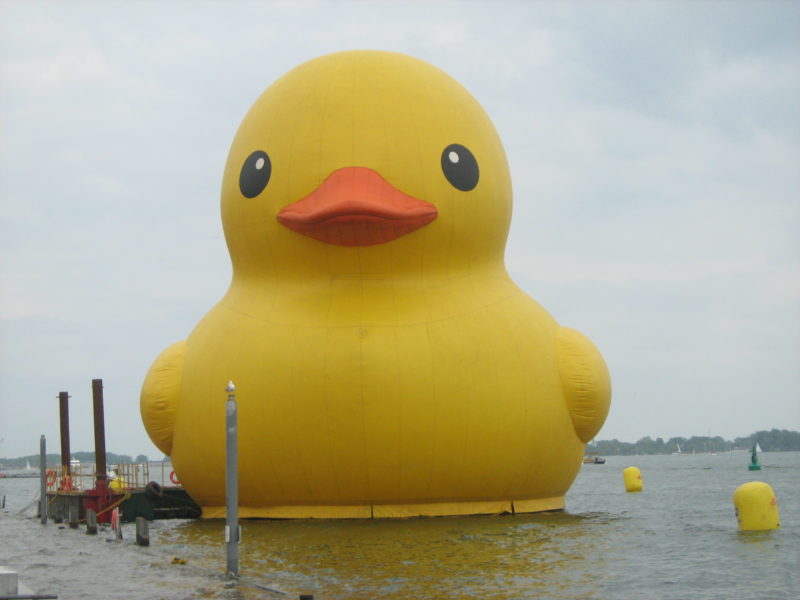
[[679, 449], [27, 472]]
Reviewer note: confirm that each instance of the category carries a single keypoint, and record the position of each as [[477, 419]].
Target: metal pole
[[99, 433], [231, 483], [43, 479], [63, 406]]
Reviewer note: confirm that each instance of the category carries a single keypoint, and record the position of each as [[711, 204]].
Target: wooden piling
[[91, 522], [73, 513], [42, 481], [142, 531], [58, 509]]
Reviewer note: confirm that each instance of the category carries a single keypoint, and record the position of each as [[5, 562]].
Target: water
[[676, 539]]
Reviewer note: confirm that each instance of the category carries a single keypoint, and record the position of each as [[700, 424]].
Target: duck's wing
[[585, 381], [159, 398]]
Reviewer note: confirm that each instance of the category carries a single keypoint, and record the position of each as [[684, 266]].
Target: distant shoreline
[[775, 440]]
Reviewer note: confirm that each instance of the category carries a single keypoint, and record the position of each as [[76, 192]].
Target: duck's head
[[365, 162]]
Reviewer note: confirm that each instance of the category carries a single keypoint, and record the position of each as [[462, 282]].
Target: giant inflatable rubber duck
[[385, 363]]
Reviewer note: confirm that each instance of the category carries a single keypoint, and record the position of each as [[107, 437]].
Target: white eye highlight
[[260, 163], [453, 156]]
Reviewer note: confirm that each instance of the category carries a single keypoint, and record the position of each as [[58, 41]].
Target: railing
[[78, 478]]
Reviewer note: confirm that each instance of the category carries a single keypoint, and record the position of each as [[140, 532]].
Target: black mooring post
[[99, 432], [63, 407]]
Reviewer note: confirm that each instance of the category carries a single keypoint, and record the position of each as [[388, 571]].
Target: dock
[[174, 503], [132, 489], [71, 491]]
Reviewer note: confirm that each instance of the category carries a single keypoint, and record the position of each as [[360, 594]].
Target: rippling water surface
[[676, 539]]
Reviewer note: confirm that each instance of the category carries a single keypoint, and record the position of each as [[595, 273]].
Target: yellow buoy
[[633, 479], [756, 506]]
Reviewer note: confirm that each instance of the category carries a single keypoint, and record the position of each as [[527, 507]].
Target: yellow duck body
[[385, 364]]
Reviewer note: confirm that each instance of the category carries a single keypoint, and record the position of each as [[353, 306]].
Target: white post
[[231, 483]]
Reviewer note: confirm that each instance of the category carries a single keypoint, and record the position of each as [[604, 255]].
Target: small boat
[[593, 459]]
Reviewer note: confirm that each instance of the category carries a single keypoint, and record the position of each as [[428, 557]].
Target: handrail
[[78, 478]]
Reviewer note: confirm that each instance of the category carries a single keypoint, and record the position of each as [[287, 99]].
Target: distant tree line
[[84, 457], [776, 440]]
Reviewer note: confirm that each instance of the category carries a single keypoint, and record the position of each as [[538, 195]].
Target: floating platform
[[129, 486], [150, 502]]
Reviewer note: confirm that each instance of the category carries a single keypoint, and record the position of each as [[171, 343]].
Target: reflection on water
[[677, 539], [420, 558]]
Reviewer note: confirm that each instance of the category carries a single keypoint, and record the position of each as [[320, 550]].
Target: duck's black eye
[[255, 174], [460, 167]]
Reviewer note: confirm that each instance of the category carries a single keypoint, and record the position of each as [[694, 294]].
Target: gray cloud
[[654, 151]]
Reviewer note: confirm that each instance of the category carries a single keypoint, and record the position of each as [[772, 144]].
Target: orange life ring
[[173, 478], [66, 483], [51, 477]]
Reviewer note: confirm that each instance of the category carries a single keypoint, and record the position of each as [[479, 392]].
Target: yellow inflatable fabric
[[385, 363]]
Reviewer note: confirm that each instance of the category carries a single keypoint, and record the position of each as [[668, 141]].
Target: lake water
[[676, 539]]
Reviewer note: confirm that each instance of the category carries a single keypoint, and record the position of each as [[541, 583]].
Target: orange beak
[[355, 206]]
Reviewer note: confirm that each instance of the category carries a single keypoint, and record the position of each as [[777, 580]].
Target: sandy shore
[[54, 559]]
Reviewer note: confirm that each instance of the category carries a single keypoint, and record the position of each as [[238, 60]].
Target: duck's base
[[392, 511]]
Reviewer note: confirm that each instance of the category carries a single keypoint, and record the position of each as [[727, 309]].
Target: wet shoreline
[[54, 559]]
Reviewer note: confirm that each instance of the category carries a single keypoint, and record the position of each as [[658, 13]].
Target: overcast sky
[[654, 150]]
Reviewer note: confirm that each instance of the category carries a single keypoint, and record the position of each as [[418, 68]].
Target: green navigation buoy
[[754, 466]]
